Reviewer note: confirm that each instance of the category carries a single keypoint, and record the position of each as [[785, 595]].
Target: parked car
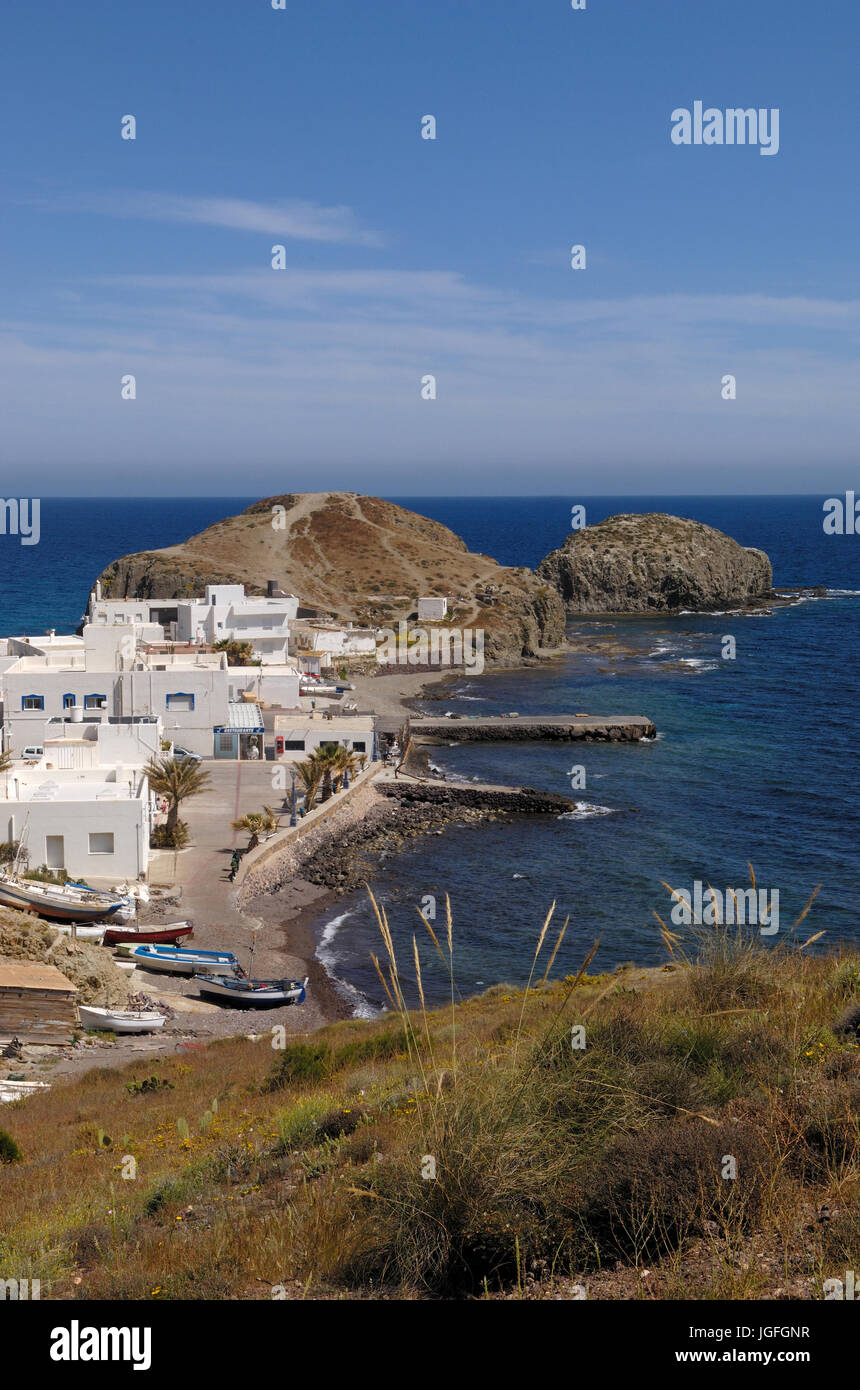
[[33, 750], [185, 755]]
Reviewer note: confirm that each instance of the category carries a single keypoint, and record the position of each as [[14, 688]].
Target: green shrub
[[300, 1063], [9, 1151], [167, 837]]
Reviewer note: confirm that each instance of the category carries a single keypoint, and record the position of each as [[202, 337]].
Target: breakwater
[[566, 728]]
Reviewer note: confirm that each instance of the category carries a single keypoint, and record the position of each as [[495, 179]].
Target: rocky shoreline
[[340, 853]]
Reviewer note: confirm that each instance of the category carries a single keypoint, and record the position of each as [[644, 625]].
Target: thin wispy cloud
[[324, 367], [292, 219]]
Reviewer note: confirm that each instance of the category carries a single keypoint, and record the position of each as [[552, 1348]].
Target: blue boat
[[183, 962]]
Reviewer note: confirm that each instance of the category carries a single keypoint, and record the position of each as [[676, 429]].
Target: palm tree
[[327, 757], [257, 823], [238, 653], [177, 779], [345, 761], [310, 775], [6, 760]]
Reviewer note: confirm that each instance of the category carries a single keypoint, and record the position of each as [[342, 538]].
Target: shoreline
[[340, 860]]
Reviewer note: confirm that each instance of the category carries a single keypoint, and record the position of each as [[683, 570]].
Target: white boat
[[179, 962], [80, 930], [56, 901], [121, 1020], [20, 1090]]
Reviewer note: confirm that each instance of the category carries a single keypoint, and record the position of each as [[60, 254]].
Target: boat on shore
[[121, 1020], [20, 1090], [253, 994], [58, 902], [154, 934], [80, 930], [182, 962]]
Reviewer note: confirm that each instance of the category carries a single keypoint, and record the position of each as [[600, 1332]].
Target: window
[[294, 743], [95, 701], [101, 842], [180, 700], [32, 702], [118, 619], [69, 701], [358, 747], [225, 743]]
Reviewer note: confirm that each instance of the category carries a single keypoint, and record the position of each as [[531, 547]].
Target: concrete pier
[[567, 728]]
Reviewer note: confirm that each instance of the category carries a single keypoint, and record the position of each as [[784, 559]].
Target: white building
[[329, 641], [112, 675], [71, 742], [297, 736], [227, 614], [270, 685], [433, 609], [93, 823]]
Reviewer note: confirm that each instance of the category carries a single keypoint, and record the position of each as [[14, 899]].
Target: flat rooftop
[[50, 789]]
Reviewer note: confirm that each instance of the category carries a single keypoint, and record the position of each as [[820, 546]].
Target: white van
[[33, 750]]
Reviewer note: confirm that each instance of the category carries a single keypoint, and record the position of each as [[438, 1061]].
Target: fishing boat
[[80, 930], [155, 934], [254, 994], [121, 1020], [181, 962], [58, 902], [20, 1090]]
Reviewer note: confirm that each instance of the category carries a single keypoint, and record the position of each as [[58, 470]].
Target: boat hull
[[147, 936], [176, 964], [120, 1021], [10, 1091], [55, 907], [254, 994]]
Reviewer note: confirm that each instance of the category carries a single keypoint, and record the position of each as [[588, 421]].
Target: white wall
[[128, 692], [432, 607], [127, 820]]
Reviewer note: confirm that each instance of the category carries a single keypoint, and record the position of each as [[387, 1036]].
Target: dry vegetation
[[307, 1170]]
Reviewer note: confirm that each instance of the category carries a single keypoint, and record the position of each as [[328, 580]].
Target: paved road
[[202, 869]]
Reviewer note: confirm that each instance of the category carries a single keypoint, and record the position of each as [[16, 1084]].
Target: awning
[[242, 718]]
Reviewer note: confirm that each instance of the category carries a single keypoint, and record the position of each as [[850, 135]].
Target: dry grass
[[468, 1150]]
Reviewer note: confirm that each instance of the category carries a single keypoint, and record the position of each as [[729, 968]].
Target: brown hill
[[356, 557]]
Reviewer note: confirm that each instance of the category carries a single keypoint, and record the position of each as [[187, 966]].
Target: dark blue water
[[48, 585], [755, 760]]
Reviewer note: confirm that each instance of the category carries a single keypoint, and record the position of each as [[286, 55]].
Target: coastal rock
[[358, 558], [654, 562]]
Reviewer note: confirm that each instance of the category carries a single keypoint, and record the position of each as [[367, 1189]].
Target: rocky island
[[653, 562]]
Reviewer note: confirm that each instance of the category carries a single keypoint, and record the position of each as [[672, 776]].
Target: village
[[237, 709], [173, 768]]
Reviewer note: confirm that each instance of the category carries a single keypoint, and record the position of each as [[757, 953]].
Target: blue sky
[[407, 257]]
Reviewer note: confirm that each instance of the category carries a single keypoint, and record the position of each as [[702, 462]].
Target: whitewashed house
[[432, 609], [268, 685], [94, 823], [117, 678], [331, 641], [297, 736], [228, 614]]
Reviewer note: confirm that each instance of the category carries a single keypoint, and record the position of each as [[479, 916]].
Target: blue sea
[[755, 759]]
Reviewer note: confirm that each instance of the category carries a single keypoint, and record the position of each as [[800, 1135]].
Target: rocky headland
[[653, 562], [358, 559]]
